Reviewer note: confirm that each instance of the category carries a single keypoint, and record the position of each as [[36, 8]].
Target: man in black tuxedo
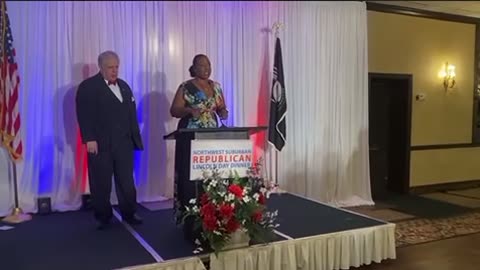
[[106, 114]]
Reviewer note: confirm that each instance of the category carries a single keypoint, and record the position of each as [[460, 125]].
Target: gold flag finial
[[276, 27]]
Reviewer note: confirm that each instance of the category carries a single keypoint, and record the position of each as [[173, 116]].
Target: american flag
[[9, 83]]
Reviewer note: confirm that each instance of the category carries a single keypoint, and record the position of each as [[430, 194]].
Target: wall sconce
[[448, 75]]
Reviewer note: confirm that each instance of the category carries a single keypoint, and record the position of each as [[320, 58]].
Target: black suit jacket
[[94, 102]]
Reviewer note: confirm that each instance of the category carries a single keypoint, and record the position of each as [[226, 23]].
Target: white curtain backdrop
[[325, 64]]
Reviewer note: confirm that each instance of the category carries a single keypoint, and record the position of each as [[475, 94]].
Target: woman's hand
[[223, 114], [195, 112]]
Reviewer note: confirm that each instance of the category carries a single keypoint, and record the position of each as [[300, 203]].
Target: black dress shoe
[[103, 225], [133, 220]]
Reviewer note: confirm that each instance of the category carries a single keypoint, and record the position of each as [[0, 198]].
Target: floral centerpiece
[[232, 206]]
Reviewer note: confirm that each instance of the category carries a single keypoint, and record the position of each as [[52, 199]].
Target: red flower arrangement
[[232, 204]]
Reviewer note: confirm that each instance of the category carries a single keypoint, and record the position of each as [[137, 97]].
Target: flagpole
[[17, 215], [276, 168]]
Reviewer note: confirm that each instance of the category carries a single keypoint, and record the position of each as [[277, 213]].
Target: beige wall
[[420, 46], [444, 166]]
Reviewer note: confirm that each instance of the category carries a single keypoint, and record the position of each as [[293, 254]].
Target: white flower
[[195, 209], [230, 197], [256, 196], [213, 183], [217, 232], [246, 199], [263, 190], [193, 201], [198, 250], [221, 194], [197, 242]]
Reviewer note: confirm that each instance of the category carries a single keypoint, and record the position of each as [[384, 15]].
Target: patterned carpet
[[414, 229], [418, 231]]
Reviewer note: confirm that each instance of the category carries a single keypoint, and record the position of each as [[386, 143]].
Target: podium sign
[[201, 149], [225, 155]]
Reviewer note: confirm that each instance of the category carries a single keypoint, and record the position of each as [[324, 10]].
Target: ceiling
[[465, 8]]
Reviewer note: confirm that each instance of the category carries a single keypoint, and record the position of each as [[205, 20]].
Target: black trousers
[[119, 163]]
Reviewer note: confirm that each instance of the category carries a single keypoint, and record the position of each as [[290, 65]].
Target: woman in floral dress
[[199, 100], [197, 103]]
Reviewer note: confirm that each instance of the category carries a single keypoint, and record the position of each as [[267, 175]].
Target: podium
[[196, 150]]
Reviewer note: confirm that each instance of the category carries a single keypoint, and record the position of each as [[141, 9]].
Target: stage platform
[[311, 235]]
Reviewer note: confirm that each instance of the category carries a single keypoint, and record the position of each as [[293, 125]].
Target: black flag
[[278, 103]]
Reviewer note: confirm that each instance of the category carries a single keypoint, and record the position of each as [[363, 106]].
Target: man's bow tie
[[112, 82]]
